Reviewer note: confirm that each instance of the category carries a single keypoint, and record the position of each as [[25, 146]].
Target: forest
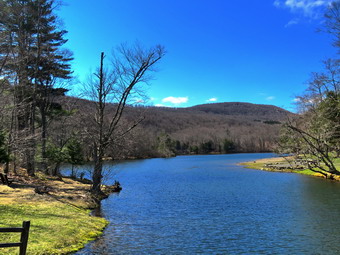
[[166, 132], [41, 127]]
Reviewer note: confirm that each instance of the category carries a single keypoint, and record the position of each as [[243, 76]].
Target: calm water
[[209, 205]]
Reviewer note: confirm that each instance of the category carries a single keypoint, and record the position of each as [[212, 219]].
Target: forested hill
[[209, 128], [214, 117], [264, 112], [219, 128]]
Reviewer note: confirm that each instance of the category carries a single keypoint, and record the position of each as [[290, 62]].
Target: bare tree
[[332, 21], [116, 85], [316, 135]]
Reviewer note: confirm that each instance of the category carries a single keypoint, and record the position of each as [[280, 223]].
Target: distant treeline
[[166, 132]]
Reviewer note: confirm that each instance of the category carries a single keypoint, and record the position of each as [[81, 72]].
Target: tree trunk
[[43, 139], [97, 173], [97, 177], [72, 171], [25, 128], [98, 145], [55, 171]]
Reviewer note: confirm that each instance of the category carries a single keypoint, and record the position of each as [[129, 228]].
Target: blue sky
[[217, 51]]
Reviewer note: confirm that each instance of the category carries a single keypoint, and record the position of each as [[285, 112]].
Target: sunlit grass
[[56, 228], [59, 224], [261, 165]]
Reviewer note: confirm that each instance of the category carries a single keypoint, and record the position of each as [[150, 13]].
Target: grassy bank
[[60, 219], [262, 164]]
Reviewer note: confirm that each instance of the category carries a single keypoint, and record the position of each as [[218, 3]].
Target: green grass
[[56, 228], [260, 164]]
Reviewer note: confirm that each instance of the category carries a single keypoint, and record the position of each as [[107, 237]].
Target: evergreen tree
[[3, 152], [74, 153], [33, 61], [228, 146]]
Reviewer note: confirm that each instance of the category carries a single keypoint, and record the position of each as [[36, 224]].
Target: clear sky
[[257, 51]]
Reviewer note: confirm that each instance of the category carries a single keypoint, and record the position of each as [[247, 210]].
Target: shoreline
[[59, 210], [261, 164]]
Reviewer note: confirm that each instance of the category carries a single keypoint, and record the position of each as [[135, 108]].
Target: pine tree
[[3, 152], [33, 61], [74, 153]]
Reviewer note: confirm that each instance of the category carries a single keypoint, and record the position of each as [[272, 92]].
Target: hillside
[[171, 120], [258, 111], [209, 128], [214, 127]]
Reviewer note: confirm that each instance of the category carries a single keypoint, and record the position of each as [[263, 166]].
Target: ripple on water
[[208, 205]]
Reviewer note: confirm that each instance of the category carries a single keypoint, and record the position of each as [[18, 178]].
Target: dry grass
[[60, 219], [260, 164]]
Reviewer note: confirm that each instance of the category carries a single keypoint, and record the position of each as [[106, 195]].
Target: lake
[[210, 205]]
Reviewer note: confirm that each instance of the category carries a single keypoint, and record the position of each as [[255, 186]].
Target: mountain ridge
[[207, 128]]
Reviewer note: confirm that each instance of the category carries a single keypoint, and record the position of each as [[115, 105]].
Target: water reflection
[[320, 213]]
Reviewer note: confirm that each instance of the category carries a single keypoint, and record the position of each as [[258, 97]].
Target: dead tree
[[115, 86]]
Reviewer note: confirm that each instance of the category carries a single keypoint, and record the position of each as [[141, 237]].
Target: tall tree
[[3, 152], [130, 69], [317, 134], [31, 35]]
